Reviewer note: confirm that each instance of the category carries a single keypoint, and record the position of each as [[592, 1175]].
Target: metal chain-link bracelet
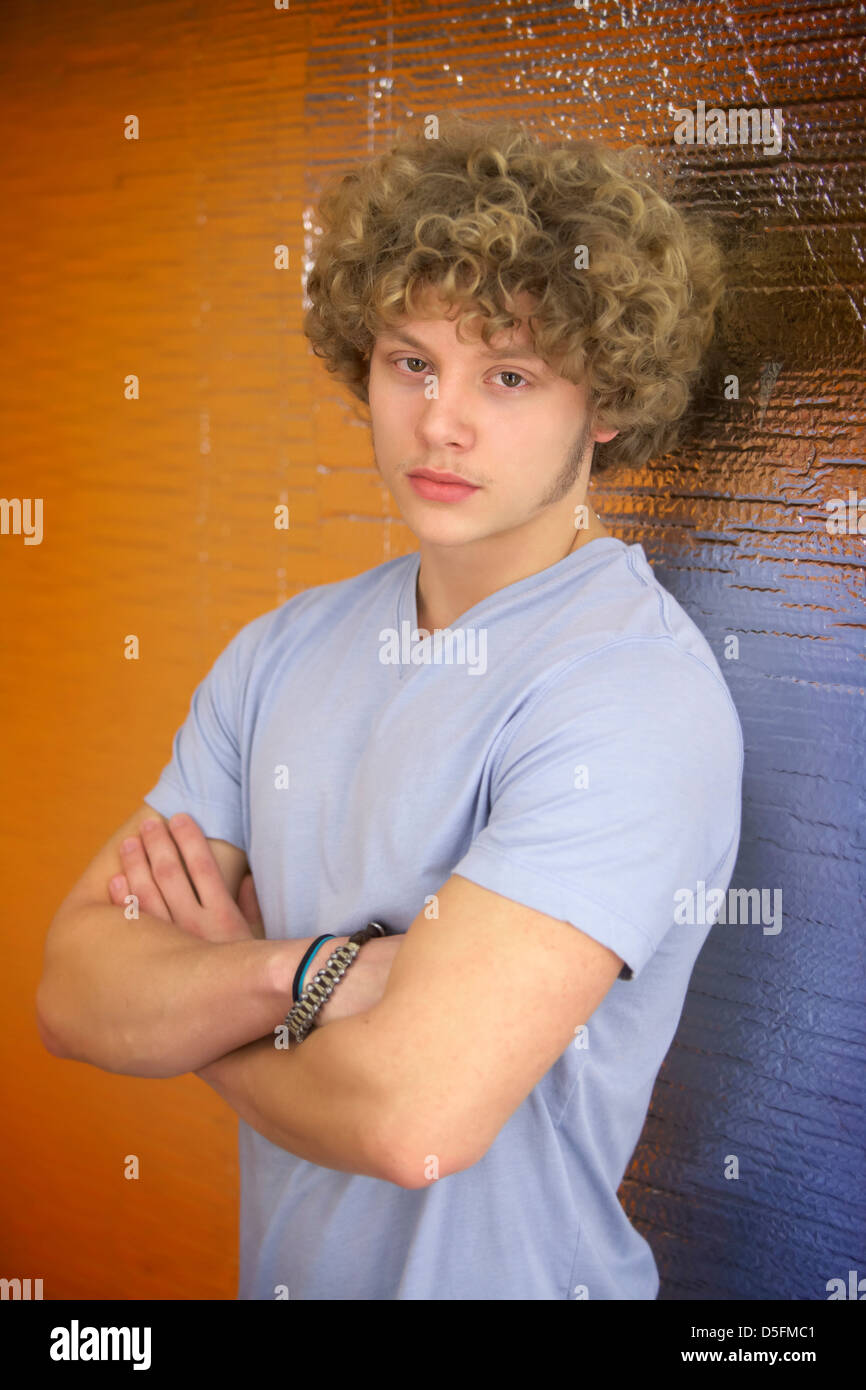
[[299, 1019]]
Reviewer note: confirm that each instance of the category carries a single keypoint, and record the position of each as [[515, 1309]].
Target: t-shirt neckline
[[407, 605]]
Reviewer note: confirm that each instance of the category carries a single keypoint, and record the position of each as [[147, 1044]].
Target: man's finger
[[169, 871], [140, 879], [118, 889], [248, 902], [201, 865]]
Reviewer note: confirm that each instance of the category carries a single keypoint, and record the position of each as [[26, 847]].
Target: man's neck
[[432, 621]]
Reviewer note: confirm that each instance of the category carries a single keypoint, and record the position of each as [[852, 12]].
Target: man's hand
[[185, 888], [166, 865]]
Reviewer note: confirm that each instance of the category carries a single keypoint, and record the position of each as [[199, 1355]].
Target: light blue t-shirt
[[573, 747]]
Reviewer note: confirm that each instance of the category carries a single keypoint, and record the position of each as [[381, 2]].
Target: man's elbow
[[111, 1052], [427, 1133], [409, 1137], [413, 1156], [49, 1040], [47, 1036]]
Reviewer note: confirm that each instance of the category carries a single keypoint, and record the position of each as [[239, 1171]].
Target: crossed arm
[[206, 980], [388, 1091]]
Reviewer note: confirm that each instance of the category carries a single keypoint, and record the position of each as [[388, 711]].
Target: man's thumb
[[249, 903]]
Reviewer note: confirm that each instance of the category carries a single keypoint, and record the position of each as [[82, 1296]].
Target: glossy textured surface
[[156, 257]]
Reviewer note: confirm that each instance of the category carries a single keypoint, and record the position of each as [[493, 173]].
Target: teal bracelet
[[299, 988]]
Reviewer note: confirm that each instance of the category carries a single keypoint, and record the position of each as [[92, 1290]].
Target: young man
[[512, 746]]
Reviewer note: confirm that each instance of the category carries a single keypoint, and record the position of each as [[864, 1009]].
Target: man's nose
[[448, 404]]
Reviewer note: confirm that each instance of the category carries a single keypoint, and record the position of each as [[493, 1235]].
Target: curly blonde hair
[[485, 211]]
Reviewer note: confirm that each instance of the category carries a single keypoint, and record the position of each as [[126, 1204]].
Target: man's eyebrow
[[401, 336]]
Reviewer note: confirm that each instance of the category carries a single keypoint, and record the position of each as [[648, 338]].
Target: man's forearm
[[144, 998], [324, 1100]]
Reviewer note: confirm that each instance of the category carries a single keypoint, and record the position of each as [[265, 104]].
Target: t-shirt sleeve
[[204, 776], [619, 786]]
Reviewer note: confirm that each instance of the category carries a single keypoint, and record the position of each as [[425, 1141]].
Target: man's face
[[502, 419]]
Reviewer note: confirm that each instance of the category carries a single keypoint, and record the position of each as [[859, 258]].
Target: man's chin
[[447, 537]]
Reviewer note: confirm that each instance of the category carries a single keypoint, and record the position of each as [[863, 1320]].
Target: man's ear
[[599, 433], [602, 436]]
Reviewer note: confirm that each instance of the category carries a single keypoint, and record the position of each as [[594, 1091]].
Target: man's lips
[[434, 489], [439, 476]]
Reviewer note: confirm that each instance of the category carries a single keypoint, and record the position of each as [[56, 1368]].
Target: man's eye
[[411, 359], [420, 360]]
